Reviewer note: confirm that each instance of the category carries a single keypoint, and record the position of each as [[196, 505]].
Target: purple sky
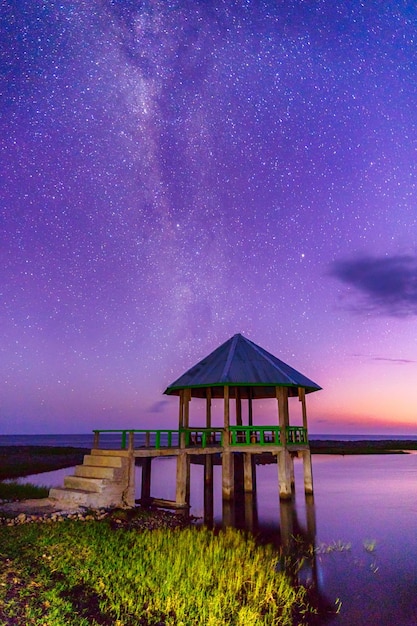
[[173, 173]]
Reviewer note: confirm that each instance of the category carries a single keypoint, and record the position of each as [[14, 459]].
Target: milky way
[[176, 172]]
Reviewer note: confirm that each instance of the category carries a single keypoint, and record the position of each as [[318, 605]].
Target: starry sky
[[175, 172]]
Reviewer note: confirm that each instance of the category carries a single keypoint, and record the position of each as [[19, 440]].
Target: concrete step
[[116, 453], [70, 497], [93, 485], [99, 460], [97, 471]]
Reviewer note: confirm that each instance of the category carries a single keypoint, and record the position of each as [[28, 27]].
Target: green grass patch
[[73, 574], [13, 490]]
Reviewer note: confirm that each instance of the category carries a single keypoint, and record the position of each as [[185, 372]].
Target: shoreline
[[362, 446], [23, 460]]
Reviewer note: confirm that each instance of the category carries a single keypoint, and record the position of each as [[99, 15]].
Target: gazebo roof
[[241, 363]]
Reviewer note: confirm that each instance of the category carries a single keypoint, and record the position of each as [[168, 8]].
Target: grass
[[73, 574], [13, 490]]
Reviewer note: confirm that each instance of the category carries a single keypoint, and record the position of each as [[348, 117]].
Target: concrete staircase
[[106, 479]]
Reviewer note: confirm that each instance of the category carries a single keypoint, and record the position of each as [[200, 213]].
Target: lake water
[[362, 522]]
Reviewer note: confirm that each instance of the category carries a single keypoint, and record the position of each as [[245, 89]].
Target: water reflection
[[357, 501]]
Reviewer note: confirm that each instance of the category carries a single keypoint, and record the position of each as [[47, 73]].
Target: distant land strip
[[18, 461], [363, 446]]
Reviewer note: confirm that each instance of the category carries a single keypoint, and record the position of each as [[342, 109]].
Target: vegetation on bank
[[16, 461], [73, 574], [21, 491], [364, 446]]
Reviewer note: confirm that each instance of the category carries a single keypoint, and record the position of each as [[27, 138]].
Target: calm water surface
[[359, 501]]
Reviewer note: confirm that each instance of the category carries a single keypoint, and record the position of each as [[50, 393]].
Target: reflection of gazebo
[[241, 370]]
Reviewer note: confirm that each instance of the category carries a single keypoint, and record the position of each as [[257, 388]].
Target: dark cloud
[[388, 285], [400, 361], [158, 407], [384, 358]]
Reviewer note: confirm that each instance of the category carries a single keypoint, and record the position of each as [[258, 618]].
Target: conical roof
[[241, 363]]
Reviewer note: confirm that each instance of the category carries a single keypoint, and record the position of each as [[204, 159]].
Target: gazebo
[[236, 374], [239, 370]]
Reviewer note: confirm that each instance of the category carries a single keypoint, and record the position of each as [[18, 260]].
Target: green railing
[[197, 437], [203, 437], [254, 435], [296, 434], [124, 439], [265, 435]]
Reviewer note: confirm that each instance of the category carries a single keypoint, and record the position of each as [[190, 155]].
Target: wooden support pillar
[[308, 472], [184, 414], [302, 399], [250, 512], [208, 407], [208, 469], [286, 511], [181, 419], [228, 517], [311, 518], [145, 493], [238, 407], [284, 474], [292, 475], [187, 400], [227, 455], [248, 472], [128, 489], [250, 409], [188, 481], [283, 415], [208, 490], [183, 479], [227, 475], [226, 420], [285, 464]]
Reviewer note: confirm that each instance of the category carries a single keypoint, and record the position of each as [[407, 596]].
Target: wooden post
[[308, 472], [181, 420], [302, 399], [283, 416], [183, 479], [250, 512], [227, 456], [248, 472], [208, 407], [145, 493], [286, 511], [227, 475], [226, 420], [181, 411], [228, 510], [188, 481], [284, 457], [129, 471], [238, 407], [208, 490], [250, 410], [284, 474], [311, 518], [292, 475], [308, 469], [187, 400]]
